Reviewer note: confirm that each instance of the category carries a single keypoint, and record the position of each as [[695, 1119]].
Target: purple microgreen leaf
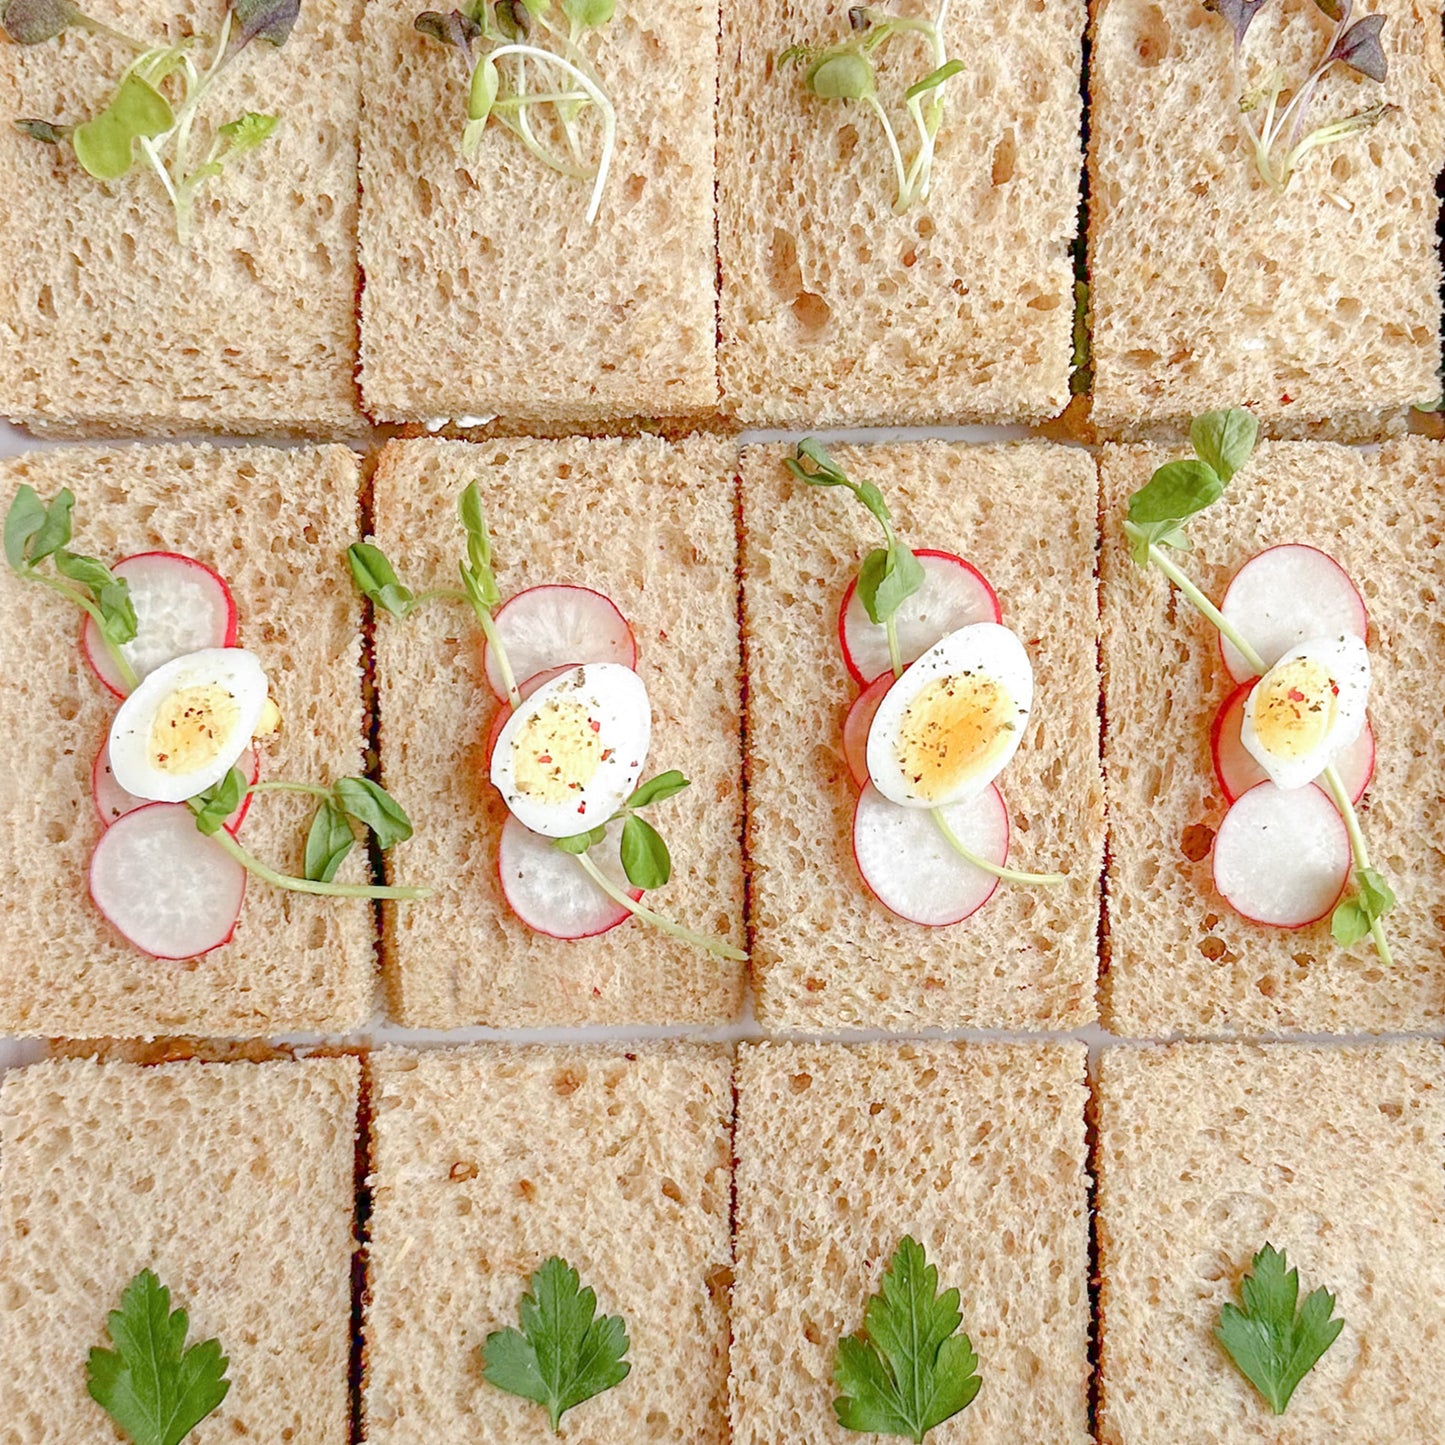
[[43, 130], [29, 22], [1337, 10], [454, 29], [1359, 48], [1239, 13], [270, 20]]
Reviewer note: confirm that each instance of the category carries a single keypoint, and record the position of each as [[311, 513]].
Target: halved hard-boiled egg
[[571, 754], [1307, 708], [947, 728], [187, 724]]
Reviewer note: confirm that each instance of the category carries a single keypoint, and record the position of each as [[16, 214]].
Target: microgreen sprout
[[1223, 442], [151, 117], [532, 66], [847, 71], [1279, 139], [888, 577]]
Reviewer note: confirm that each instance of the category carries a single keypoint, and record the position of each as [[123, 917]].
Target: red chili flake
[[544, 757], [1285, 398], [582, 806], [594, 725], [1295, 695]]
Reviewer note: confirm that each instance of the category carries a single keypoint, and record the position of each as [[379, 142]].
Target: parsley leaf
[[907, 1370], [155, 1389], [1274, 1344], [564, 1353]]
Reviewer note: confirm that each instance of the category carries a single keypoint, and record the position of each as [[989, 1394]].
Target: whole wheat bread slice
[[1319, 309], [234, 1183], [826, 954], [836, 311], [1181, 960], [275, 525], [486, 1161], [1206, 1153], [108, 325], [652, 526], [486, 289], [977, 1151]]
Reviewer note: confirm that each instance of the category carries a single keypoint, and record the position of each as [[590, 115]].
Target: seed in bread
[[652, 526], [1206, 1153], [1318, 308], [108, 325], [978, 1152], [234, 1183], [826, 954], [275, 524], [485, 1162], [1180, 959], [836, 311], [487, 291]]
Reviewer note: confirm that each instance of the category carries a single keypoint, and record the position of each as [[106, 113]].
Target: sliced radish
[[112, 801], [547, 889], [180, 605], [1238, 771], [857, 723], [1282, 856], [953, 594], [911, 869], [1284, 596], [505, 711], [547, 627], [165, 886]]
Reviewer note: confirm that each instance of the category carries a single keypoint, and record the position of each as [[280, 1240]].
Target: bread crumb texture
[[1180, 959], [835, 310], [234, 1183], [1207, 1152], [110, 326], [977, 1151], [826, 953], [1319, 309], [274, 524], [651, 525], [487, 291], [485, 1162]]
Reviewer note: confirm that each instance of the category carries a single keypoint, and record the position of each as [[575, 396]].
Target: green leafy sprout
[[847, 71], [645, 857], [1223, 442], [151, 117], [564, 1354], [907, 1370], [532, 75], [1274, 1340], [154, 1387], [1280, 140], [888, 577]]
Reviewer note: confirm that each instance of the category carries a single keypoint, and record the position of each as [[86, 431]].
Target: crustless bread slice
[[826, 953], [275, 525], [487, 1161], [978, 1153], [110, 326], [233, 1183]]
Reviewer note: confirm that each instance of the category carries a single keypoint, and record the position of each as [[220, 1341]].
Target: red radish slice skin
[[1282, 856], [526, 689], [857, 723], [165, 887], [954, 594], [549, 627], [913, 872], [181, 606], [547, 889], [1238, 771], [1284, 596], [113, 802]]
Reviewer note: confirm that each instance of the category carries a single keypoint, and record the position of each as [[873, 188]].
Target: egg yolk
[[1294, 708], [192, 725], [556, 751], [951, 730]]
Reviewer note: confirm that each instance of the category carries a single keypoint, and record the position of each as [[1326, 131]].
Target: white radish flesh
[[181, 606], [1282, 856], [1284, 596], [547, 889], [167, 888], [857, 723], [112, 801], [554, 626], [910, 867], [953, 594]]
